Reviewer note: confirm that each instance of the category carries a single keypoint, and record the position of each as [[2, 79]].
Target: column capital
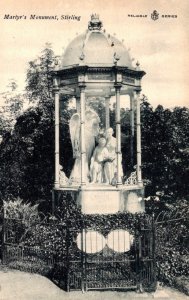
[[56, 89], [82, 86], [55, 82], [138, 91], [117, 86]]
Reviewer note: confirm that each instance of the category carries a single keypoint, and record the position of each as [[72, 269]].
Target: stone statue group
[[100, 148]]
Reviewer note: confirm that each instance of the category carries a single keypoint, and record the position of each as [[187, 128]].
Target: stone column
[[107, 111], [139, 174], [77, 99], [132, 124], [82, 142], [118, 133], [57, 146]]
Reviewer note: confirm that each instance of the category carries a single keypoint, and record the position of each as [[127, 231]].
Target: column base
[[56, 185], [140, 183]]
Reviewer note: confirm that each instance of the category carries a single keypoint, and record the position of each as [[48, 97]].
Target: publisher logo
[[155, 15]]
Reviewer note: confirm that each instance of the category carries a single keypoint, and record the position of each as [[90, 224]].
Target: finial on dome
[[95, 23], [56, 65], [116, 58], [137, 65], [82, 56]]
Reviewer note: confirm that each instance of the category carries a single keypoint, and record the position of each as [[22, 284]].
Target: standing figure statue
[[92, 121], [110, 167]]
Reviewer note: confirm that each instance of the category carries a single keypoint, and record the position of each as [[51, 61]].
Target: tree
[[164, 134], [27, 154], [39, 77], [40, 90], [12, 108]]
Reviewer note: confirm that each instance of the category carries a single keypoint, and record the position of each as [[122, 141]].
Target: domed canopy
[[96, 48]]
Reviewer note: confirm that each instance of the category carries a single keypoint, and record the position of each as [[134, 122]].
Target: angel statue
[[92, 121]]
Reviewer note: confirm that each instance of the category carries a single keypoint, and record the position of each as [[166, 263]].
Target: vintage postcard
[[93, 147]]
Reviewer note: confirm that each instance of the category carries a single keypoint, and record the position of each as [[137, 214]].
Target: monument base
[[106, 199]]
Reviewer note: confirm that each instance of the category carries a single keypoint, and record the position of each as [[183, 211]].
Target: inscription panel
[[100, 202], [64, 82], [102, 76], [128, 79]]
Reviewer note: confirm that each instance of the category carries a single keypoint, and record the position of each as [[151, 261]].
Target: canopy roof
[[96, 48]]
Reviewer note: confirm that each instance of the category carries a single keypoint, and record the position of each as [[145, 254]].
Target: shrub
[[17, 209], [38, 266]]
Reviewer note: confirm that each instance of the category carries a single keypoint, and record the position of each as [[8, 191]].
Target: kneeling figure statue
[[100, 158]]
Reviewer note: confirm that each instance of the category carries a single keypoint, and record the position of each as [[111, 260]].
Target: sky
[[161, 46]]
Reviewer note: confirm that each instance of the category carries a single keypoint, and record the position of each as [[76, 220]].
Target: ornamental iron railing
[[87, 257]]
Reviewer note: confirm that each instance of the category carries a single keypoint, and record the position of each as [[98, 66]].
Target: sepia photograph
[[94, 149]]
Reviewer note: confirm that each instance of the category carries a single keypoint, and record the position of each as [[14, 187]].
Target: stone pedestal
[[99, 201], [106, 199]]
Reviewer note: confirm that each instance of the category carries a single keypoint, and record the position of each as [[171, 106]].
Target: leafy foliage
[[165, 140], [16, 209], [12, 108], [172, 252], [38, 266], [39, 78], [27, 153]]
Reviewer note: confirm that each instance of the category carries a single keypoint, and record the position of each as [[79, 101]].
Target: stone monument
[[96, 64]]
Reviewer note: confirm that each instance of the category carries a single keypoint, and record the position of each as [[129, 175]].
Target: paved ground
[[24, 286]]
